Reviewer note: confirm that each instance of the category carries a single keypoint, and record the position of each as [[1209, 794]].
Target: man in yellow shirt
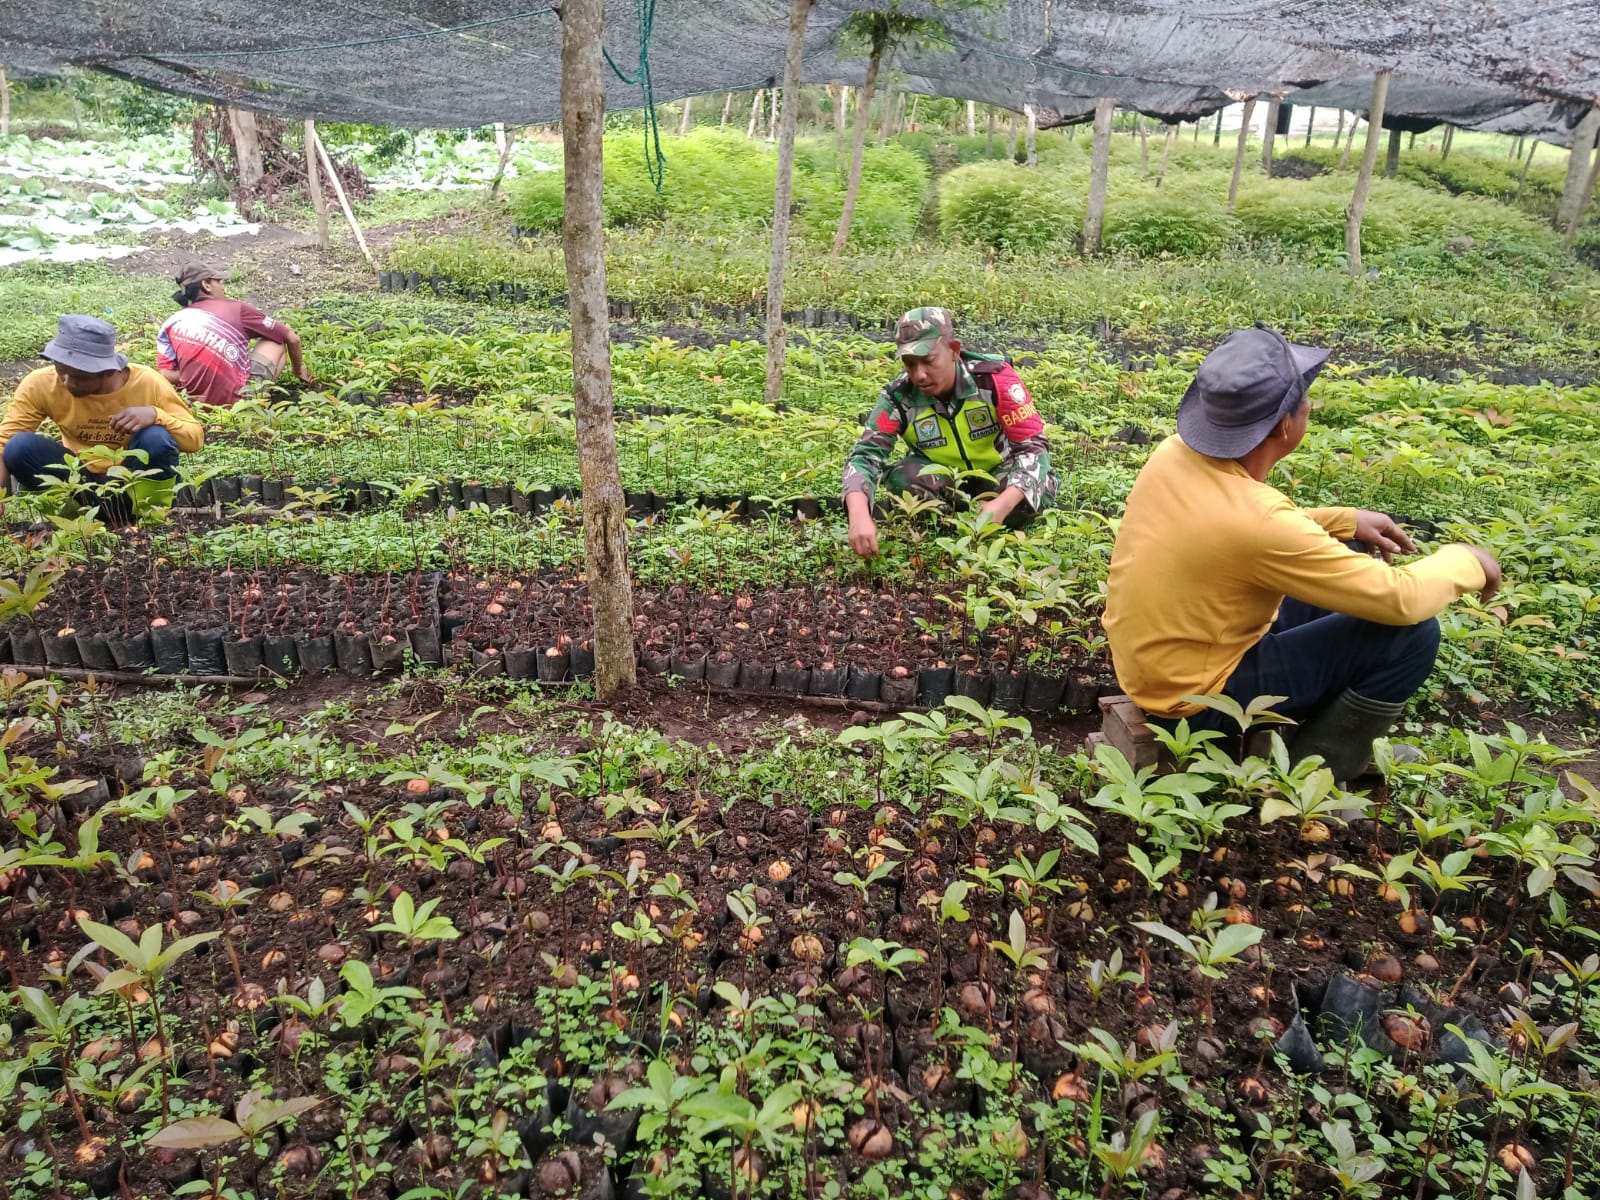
[[95, 397], [1219, 583]]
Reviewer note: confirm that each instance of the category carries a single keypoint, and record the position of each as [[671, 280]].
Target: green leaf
[[1180, 940], [1232, 940], [114, 941], [197, 1133]]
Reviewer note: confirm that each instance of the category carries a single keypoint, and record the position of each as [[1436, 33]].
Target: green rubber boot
[[1343, 734]]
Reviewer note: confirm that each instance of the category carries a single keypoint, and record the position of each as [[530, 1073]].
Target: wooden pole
[[1099, 164], [989, 145], [727, 107], [686, 121], [344, 204], [5, 104], [1311, 123], [1369, 159], [505, 156], [1166, 149], [1344, 157], [1238, 152], [972, 118], [319, 198], [852, 183], [1522, 179], [1588, 194], [1338, 134], [799, 11], [1030, 139], [1391, 161], [755, 114], [1572, 194], [605, 528], [1216, 138], [1144, 143], [1269, 135]]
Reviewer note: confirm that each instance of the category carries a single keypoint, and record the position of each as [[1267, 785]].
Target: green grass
[[33, 295]]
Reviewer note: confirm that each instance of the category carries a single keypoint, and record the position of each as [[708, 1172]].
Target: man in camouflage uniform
[[957, 413]]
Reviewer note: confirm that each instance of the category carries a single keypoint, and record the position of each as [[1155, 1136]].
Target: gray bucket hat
[[1249, 383], [85, 344]]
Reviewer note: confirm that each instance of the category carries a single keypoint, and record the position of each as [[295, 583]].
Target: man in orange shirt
[[1219, 583], [95, 397]]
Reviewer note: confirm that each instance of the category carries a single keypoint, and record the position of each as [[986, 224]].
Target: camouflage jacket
[[989, 423]]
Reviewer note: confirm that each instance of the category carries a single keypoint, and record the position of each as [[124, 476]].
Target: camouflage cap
[[920, 331]]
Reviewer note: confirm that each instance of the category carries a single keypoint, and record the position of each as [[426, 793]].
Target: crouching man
[[95, 397], [1219, 583], [955, 411]]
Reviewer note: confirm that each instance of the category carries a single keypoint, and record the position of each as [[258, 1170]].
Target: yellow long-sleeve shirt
[[1204, 557], [84, 421]]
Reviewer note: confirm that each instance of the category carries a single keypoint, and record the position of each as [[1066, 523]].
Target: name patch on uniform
[[980, 422], [1025, 412], [928, 434]]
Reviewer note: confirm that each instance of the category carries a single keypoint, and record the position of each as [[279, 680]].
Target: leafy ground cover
[[438, 932]]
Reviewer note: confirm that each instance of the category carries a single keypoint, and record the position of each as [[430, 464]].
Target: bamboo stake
[[344, 203], [319, 198]]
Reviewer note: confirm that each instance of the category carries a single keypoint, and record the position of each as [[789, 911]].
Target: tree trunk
[[686, 120], [1572, 195], [853, 182], [773, 116], [318, 198], [727, 109], [1166, 150], [246, 146], [1369, 160], [799, 10], [1349, 143], [1216, 138], [605, 530], [1099, 162], [1391, 160], [755, 114], [972, 118], [1144, 143], [1031, 137], [1311, 123], [5, 104], [1571, 234], [1522, 179], [1269, 137], [841, 101], [1238, 152], [1011, 137], [500, 136]]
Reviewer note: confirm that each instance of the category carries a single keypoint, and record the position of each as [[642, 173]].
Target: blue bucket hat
[[1249, 383], [85, 344]]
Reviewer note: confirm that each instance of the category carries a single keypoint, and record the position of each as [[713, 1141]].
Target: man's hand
[[1002, 505], [864, 536], [1380, 531], [1492, 574], [130, 420], [304, 375]]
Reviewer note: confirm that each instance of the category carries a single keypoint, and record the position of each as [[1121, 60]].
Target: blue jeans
[[36, 462], [1311, 655]]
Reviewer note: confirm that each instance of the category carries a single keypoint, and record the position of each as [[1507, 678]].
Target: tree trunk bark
[[1522, 179], [246, 146], [859, 142], [1311, 123], [840, 102], [1349, 142], [727, 110], [799, 11], [1031, 136], [755, 114], [1571, 234], [972, 118], [1099, 163], [686, 121], [605, 530], [1572, 195], [1269, 137], [319, 198], [1391, 160], [1369, 160], [1238, 152], [1166, 151]]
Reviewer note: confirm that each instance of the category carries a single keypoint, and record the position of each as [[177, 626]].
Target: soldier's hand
[[864, 536]]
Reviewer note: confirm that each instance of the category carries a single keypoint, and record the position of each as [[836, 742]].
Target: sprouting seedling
[[1354, 1172], [1126, 1152], [1209, 951], [417, 924], [1106, 972], [254, 1116]]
